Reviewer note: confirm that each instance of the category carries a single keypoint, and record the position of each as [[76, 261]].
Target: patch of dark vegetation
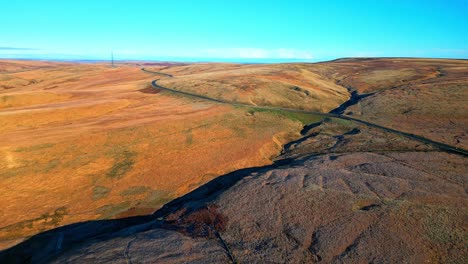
[[135, 190], [110, 210], [5, 98], [100, 192], [34, 148], [299, 89], [189, 138], [122, 165], [156, 198], [204, 222], [149, 89], [43, 222], [51, 165], [55, 218]]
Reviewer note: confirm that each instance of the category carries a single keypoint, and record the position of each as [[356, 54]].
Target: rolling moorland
[[353, 160]]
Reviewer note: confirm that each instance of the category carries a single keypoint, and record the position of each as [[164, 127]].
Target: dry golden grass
[[283, 85], [26, 65], [82, 142], [86, 141]]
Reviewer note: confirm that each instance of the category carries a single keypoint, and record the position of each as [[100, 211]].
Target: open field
[[246, 182], [426, 97], [283, 85], [84, 141]]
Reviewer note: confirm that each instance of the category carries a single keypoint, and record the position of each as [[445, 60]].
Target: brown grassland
[[83, 142], [427, 97], [86, 141]]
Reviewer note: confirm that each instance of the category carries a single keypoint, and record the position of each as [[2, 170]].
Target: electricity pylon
[[112, 59]]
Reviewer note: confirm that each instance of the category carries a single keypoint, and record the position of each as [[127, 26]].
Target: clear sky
[[243, 30]]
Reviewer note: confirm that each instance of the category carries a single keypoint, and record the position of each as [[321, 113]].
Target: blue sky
[[252, 30]]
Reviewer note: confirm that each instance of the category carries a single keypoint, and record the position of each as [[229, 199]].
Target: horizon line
[[226, 60]]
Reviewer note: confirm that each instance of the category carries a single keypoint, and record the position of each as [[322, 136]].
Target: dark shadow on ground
[[354, 99], [46, 246]]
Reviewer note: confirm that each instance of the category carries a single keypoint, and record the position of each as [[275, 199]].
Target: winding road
[[439, 145]]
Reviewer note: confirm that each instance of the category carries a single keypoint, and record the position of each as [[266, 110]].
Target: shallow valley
[[244, 181]]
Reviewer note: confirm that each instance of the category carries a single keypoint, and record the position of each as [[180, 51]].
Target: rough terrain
[[341, 192], [85, 141]]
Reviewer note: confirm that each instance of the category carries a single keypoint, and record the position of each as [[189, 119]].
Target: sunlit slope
[[11, 66], [282, 85], [85, 141]]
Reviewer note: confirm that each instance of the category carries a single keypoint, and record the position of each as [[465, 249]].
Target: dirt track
[[439, 145]]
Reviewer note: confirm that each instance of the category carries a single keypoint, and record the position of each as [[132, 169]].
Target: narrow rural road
[[439, 145]]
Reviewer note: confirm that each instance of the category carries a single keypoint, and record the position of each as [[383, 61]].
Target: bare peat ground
[[343, 192]]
